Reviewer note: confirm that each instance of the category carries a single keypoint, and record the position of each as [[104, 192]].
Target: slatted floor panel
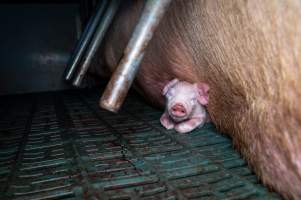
[[62, 146]]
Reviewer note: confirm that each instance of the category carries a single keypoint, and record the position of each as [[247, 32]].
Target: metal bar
[[96, 40], [84, 39], [125, 72]]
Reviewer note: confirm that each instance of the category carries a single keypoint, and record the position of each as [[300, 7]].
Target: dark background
[[36, 40]]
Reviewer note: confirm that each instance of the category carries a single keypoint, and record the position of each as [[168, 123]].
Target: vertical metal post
[[126, 70], [84, 40], [96, 40]]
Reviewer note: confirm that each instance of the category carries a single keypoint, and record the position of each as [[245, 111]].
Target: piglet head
[[182, 98]]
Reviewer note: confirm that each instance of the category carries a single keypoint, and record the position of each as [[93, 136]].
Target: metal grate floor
[[62, 146]]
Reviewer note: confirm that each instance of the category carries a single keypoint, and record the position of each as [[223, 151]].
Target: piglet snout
[[178, 110]]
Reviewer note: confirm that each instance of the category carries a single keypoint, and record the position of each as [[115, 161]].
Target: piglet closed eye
[[185, 103]]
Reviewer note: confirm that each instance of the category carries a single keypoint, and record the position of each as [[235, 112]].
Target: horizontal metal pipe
[[84, 40], [96, 40], [125, 72]]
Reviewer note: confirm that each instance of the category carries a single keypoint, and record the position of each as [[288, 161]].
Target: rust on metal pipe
[[126, 70]]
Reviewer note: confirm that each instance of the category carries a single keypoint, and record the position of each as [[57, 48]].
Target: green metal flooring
[[63, 146]]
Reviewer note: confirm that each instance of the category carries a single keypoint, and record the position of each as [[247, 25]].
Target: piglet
[[185, 103]]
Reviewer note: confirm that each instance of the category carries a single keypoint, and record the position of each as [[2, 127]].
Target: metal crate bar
[[84, 40], [127, 68], [99, 34]]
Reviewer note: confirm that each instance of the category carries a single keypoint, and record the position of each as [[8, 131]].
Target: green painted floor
[[63, 146]]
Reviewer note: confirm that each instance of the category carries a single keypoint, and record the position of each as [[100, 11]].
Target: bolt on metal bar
[[127, 68], [96, 40], [84, 40]]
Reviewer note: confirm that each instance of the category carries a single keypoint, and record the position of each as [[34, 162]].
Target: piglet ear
[[203, 93], [169, 85]]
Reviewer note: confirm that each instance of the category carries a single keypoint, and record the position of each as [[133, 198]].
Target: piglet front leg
[[189, 125], [166, 121]]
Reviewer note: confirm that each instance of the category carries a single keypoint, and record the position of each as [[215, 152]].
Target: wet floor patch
[[63, 146]]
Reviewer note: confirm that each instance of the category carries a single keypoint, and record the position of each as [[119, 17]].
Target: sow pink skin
[[185, 105]]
